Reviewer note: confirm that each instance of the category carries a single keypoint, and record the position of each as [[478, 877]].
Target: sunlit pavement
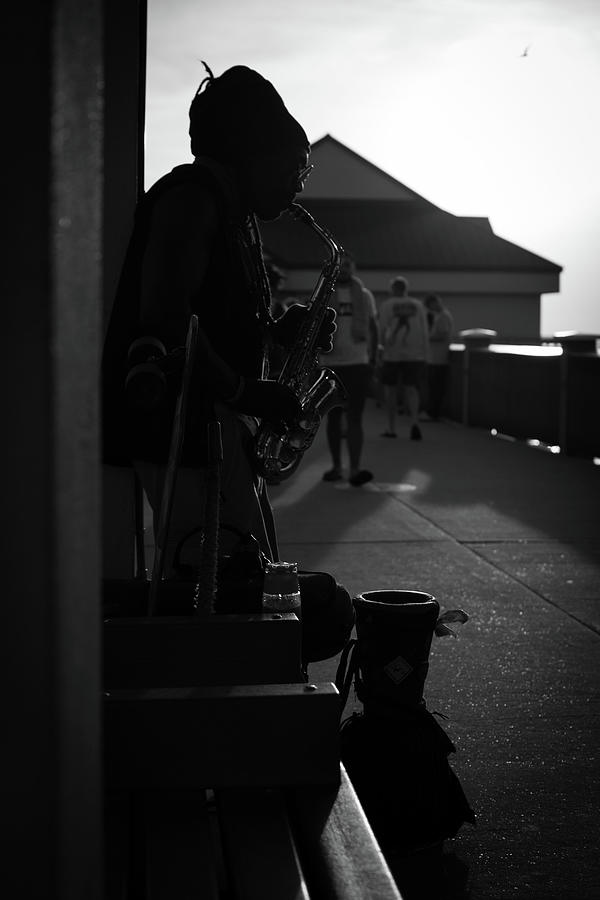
[[511, 535]]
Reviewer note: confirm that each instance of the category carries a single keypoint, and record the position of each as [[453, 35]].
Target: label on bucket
[[398, 669]]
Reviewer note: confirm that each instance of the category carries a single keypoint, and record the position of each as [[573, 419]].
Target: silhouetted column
[[51, 301]]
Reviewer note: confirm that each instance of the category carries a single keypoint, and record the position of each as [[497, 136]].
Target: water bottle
[[281, 591]]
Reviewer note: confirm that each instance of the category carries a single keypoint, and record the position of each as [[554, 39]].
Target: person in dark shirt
[[196, 249]]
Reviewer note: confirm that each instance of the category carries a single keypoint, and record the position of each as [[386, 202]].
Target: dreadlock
[[207, 80]]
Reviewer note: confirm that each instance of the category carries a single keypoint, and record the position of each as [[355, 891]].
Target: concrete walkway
[[511, 535]]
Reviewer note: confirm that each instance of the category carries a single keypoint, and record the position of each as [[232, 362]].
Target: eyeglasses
[[303, 175]]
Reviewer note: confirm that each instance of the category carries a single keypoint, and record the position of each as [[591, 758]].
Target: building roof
[[386, 225], [398, 234], [341, 172]]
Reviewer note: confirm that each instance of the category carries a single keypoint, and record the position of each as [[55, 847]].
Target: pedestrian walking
[[404, 353], [440, 328], [352, 359]]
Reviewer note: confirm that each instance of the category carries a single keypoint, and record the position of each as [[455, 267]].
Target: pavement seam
[[365, 541], [468, 545], [536, 593]]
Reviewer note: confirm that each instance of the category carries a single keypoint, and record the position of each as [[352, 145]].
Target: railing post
[[572, 342], [465, 385], [562, 401], [473, 338]]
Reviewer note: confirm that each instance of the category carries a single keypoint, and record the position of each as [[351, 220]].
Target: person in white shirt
[[441, 326], [352, 358], [404, 351]]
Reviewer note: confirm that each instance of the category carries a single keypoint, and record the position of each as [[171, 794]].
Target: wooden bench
[[174, 651], [222, 768]]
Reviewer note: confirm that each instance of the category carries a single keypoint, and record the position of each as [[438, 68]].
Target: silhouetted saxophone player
[[196, 248]]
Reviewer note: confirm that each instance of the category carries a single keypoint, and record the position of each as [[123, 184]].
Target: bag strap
[[180, 567], [207, 576], [206, 585], [199, 529], [346, 671], [168, 493]]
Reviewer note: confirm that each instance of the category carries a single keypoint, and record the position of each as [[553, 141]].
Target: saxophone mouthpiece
[[301, 214]]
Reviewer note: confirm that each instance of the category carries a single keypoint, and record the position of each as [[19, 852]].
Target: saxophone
[[278, 451]]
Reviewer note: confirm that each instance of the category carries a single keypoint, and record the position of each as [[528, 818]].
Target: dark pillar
[[52, 129]]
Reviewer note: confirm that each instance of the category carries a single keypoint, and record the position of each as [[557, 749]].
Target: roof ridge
[[378, 229], [483, 233], [328, 138]]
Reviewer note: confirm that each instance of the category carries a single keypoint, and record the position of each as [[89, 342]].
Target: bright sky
[[435, 92]]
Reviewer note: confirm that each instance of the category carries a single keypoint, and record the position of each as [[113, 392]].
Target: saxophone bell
[[326, 393]]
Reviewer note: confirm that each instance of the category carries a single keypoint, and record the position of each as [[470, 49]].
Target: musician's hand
[[327, 330], [286, 328], [268, 400]]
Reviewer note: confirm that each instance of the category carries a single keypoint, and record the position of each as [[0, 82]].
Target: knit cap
[[238, 114]]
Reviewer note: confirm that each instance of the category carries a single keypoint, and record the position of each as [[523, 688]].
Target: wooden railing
[[548, 393]]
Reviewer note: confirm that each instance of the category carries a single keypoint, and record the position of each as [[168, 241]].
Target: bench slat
[[172, 651], [258, 847], [337, 847], [118, 845], [247, 736], [179, 859], [158, 846]]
